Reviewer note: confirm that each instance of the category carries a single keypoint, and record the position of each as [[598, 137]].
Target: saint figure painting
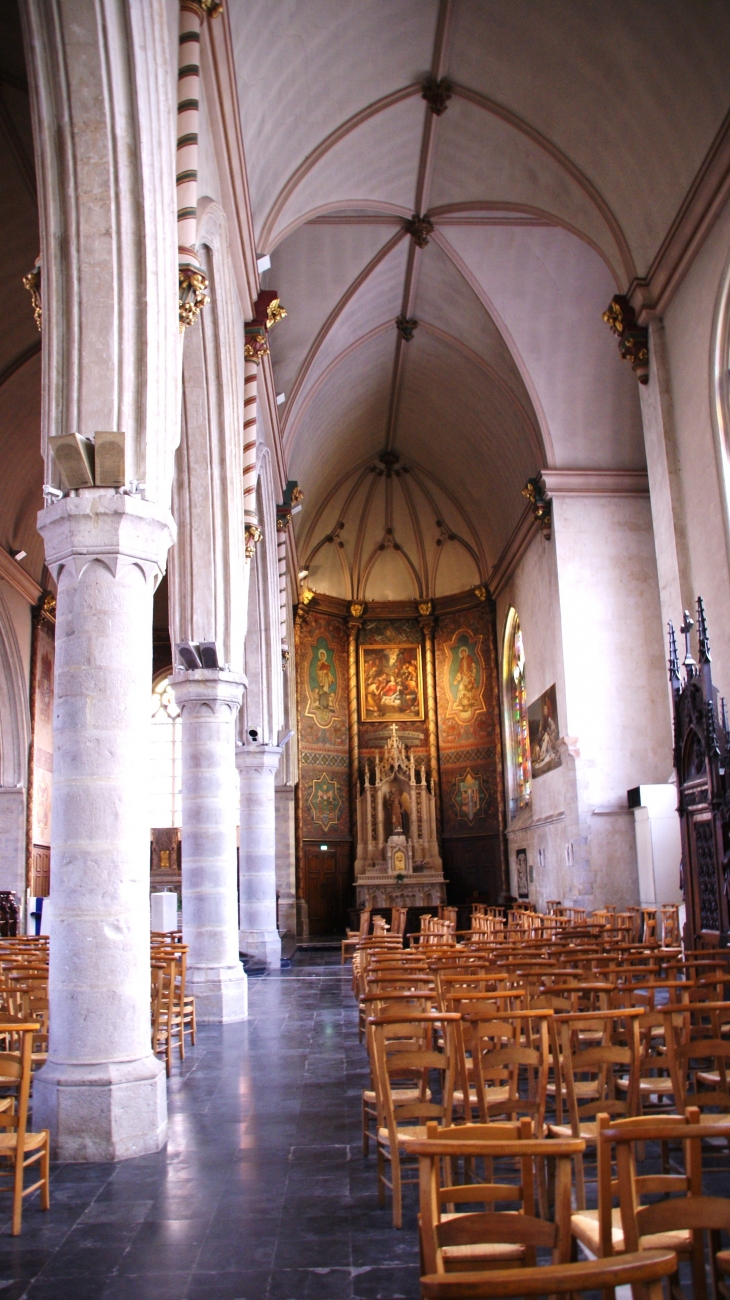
[[542, 720], [322, 683], [464, 677], [391, 685]]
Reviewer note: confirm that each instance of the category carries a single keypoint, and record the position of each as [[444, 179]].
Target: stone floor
[[262, 1192]]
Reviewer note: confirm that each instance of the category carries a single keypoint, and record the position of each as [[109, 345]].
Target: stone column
[[209, 701], [257, 766], [102, 1092]]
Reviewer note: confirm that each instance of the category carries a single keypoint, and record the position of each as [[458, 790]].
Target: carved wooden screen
[[702, 763]]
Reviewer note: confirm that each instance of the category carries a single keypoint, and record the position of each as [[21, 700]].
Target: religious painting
[[464, 678], [391, 683], [323, 686], [523, 890], [325, 802], [468, 796], [542, 721], [41, 782]]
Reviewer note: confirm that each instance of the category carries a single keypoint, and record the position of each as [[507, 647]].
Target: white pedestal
[[163, 912], [658, 845]]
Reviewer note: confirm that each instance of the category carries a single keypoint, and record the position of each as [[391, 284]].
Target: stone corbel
[[116, 530], [633, 339]]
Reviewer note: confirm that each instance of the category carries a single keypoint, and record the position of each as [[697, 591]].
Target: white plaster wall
[[285, 859], [688, 325], [534, 593], [615, 694], [15, 643]]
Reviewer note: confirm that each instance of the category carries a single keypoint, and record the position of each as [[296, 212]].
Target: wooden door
[[327, 887], [473, 869]]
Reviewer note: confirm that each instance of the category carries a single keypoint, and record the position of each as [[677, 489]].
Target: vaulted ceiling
[[568, 144]]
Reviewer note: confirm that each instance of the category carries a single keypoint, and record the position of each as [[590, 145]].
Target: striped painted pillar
[[193, 283], [281, 558], [250, 514], [188, 90]]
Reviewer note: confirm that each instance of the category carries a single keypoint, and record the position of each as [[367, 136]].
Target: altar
[[398, 862]]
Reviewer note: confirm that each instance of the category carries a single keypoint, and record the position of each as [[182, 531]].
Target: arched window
[[517, 740], [166, 773]]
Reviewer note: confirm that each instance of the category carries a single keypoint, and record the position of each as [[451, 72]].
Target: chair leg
[[18, 1193], [580, 1184], [381, 1177], [46, 1174], [396, 1189], [365, 1130]]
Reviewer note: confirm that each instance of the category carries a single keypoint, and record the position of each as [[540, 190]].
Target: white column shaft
[[259, 936], [101, 1093], [209, 702]]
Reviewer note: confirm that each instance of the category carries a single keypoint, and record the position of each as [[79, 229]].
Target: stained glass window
[[517, 735]]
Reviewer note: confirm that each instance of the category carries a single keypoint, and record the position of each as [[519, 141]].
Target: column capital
[[258, 759], [105, 525], [214, 687]]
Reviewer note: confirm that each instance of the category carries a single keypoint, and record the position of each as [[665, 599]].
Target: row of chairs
[[509, 1033]]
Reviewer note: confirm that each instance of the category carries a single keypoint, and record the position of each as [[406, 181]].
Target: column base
[[220, 992], [287, 914], [102, 1112], [264, 944]]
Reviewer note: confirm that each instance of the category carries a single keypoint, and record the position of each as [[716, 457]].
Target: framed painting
[[323, 683], [542, 721], [391, 683], [464, 678]]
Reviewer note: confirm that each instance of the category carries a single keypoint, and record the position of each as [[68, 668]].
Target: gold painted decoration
[[325, 802], [323, 684], [391, 683], [193, 295], [464, 677]]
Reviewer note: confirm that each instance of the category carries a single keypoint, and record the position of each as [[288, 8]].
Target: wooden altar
[[702, 762]]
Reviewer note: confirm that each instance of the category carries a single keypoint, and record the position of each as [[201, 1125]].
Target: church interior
[[364, 645]]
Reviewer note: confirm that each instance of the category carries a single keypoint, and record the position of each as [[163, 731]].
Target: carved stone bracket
[[542, 509], [267, 311], [633, 339]]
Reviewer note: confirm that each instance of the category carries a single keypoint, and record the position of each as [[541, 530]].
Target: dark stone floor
[[262, 1192]]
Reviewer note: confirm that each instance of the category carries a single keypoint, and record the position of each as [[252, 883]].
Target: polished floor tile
[[262, 1192]]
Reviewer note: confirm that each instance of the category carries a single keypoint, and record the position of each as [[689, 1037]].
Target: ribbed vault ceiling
[[571, 138]]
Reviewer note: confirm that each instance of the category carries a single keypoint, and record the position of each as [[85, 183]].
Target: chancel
[[364, 644], [398, 862]]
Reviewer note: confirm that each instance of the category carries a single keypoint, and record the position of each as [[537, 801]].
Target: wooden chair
[[393, 1003], [354, 937], [643, 1270], [454, 1241], [510, 1054], [589, 1071], [692, 1214], [699, 1057], [600, 1230], [19, 1147], [404, 1056]]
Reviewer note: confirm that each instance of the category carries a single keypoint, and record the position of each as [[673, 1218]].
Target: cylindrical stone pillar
[[257, 765], [102, 1092], [209, 701]]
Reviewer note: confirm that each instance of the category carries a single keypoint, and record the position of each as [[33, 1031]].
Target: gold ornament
[[193, 294], [32, 282], [253, 537]]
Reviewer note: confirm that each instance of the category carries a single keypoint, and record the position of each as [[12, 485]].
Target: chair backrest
[[404, 1049], [590, 1056], [643, 1272], [698, 1054], [448, 1164], [691, 1211], [510, 1054], [15, 1073]]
